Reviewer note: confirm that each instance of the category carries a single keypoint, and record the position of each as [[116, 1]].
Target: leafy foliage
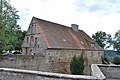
[[9, 17], [77, 65], [116, 41], [21, 35], [104, 39], [10, 33], [101, 38], [116, 60], [1, 40]]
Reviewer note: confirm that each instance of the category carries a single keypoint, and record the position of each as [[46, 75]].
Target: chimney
[[75, 27]]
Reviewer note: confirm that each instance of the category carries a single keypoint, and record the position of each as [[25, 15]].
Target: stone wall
[[112, 72], [52, 60], [59, 60], [92, 57], [28, 62], [98, 72], [17, 74]]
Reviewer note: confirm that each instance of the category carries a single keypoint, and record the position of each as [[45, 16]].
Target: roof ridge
[[56, 23]]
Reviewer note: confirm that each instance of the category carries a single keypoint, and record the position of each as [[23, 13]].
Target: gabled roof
[[57, 36]]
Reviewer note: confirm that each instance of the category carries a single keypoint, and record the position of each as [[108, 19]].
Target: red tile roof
[[57, 36]]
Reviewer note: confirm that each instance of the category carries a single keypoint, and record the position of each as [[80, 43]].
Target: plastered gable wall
[[59, 60], [38, 45], [25, 46]]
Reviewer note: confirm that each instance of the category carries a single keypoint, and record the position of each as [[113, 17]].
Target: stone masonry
[[59, 60], [54, 61]]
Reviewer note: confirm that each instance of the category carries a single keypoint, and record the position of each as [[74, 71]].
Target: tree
[[116, 41], [105, 60], [8, 23], [9, 17], [20, 34], [101, 38], [77, 65], [1, 40]]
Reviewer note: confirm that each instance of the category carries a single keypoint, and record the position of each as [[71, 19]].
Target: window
[[38, 46], [32, 38], [35, 41], [27, 39]]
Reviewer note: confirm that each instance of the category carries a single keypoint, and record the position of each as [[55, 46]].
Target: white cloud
[[90, 15]]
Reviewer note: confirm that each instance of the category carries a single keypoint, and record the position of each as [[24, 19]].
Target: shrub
[[116, 60], [77, 65]]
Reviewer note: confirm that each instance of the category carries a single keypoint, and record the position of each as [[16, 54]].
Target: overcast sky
[[90, 15]]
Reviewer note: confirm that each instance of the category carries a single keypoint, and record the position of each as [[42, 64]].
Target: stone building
[[58, 44]]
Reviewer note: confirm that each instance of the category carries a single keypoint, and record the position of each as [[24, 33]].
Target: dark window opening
[[32, 38], [36, 42], [27, 39], [38, 46]]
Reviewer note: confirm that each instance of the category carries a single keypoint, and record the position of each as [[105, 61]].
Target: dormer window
[[82, 42]]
